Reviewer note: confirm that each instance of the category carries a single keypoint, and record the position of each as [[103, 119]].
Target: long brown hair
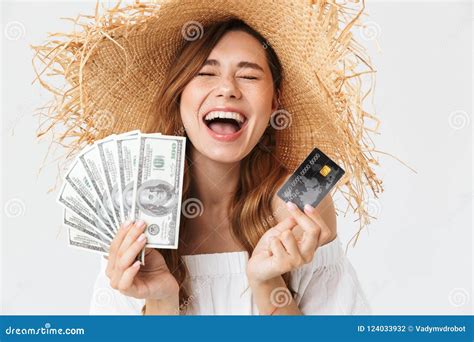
[[250, 213]]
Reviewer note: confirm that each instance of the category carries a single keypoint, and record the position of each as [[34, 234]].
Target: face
[[226, 107], [153, 197]]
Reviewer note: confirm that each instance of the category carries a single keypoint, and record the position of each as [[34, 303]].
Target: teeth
[[225, 115]]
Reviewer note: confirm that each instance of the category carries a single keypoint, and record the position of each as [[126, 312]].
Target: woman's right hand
[[153, 281]]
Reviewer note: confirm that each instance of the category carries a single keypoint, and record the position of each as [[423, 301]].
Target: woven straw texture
[[114, 61]]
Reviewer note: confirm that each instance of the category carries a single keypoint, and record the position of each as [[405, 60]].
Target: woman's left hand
[[288, 245]]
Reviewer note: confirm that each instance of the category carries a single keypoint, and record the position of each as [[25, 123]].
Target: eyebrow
[[243, 64]]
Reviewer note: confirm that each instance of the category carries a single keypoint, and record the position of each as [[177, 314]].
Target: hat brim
[[118, 65]]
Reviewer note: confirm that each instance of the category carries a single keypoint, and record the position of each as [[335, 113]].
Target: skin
[[289, 244]]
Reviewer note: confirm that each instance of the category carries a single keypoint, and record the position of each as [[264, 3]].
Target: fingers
[[304, 221], [132, 235], [277, 248], [126, 280], [327, 234], [286, 224], [128, 243], [315, 215], [128, 257], [311, 230], [291, 246], [117, 241], [114, 246], [286, 252]]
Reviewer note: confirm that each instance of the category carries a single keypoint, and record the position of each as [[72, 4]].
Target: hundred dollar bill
[[109, 159], [70, 199], [80, 182], [73, 221], [83, 241], [127, 159], [92, 164], [158, 188], [108, 155]]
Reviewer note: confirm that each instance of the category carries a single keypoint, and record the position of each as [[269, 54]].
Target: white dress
[[218, 285]]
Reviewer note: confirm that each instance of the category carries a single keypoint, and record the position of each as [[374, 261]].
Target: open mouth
[[224, 123]]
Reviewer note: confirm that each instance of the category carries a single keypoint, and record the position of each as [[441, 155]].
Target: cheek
[[195, 91], [261, 97], [261, 125], [262, 101], [190, 100]]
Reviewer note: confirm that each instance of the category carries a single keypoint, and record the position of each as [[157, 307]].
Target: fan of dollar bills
[[128, 176]]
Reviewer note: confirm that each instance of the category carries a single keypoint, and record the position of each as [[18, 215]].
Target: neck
[[213, 183]]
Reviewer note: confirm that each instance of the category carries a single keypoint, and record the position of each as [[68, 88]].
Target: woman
[[248, 252], [238, 77]]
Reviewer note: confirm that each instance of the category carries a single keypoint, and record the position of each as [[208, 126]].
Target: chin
[[224, 155], [222, 152]]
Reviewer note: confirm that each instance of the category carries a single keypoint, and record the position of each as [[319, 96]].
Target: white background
[[415, 259]]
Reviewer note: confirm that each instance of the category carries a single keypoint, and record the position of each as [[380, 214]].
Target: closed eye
[[205, 74], [211, 74]]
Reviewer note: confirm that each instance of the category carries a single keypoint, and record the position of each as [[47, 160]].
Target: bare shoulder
[[325, 208]]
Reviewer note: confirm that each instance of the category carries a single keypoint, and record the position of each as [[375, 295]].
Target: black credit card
[[313, 179]]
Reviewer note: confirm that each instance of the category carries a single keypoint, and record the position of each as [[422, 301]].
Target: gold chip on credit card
[[325, 170]]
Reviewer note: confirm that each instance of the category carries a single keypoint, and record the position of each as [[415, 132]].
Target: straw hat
[[114, 62]]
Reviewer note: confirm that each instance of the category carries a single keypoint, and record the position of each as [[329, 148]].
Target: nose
[[227, 88]]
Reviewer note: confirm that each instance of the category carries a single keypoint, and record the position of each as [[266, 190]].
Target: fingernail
[[291, 206], [136, 263], [140, 223], [141, 238], [308, 208], [127, 223]]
